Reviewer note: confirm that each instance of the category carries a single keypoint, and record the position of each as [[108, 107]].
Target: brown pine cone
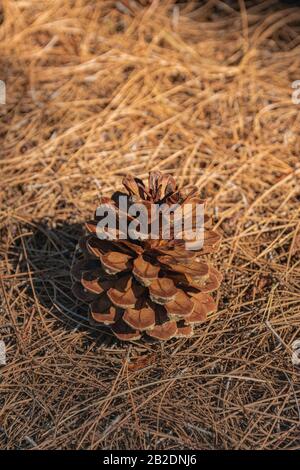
[[131, 6], [148, 286]]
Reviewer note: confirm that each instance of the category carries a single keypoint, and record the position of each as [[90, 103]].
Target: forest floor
[[202, 90]]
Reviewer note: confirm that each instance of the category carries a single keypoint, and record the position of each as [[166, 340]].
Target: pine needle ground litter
[[203, 91]]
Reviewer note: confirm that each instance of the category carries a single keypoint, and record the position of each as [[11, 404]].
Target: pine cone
[[148, 286]]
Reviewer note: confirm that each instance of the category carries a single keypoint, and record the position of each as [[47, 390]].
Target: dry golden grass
[[203, 91]]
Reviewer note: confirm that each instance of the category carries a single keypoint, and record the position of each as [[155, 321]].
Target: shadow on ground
[[48, 255]]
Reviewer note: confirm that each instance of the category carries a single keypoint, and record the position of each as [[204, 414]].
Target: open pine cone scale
[[148, 286]]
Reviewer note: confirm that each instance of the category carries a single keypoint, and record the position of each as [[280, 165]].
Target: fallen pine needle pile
[[201, 90]]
